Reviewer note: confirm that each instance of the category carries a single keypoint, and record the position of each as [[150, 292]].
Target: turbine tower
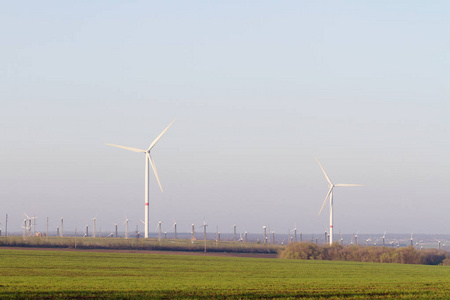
[[147, 171], [330, 195]]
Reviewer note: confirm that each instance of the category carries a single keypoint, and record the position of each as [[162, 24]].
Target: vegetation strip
[[408, 255]]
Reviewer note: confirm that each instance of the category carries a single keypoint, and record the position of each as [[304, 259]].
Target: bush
[[301, 251], [433, 257]]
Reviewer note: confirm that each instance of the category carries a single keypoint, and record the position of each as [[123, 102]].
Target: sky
[[259, 90]]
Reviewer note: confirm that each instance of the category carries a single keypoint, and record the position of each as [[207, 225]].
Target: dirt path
[[219, 254]]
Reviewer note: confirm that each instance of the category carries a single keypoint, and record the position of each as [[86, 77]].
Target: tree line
[[407, 255]]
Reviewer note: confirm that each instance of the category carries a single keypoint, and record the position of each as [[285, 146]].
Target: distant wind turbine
[[147, 159], [159, 230], [29, 223], [193, 233], [94, 226], [174, 226], [126, 226], [330, 195], [204, 232]]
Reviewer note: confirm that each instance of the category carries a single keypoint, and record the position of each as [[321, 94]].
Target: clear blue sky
[[258, 88]]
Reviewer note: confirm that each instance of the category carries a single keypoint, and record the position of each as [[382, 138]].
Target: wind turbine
[[29, 223], [94, 226], [204, 232], [126, 226], [193, 233], [217, 235], [25, 228], [295, 233], [159, 231], [265, 234], [330, 195], [147, 171], [174, 226]]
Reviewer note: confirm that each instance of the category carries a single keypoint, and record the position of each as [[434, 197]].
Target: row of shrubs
[[133, 244], [408, 255]]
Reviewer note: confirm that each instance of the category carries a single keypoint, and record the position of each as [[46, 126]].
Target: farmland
[[82, 274]]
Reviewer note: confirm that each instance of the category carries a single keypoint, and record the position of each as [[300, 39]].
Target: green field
[[81, 274]]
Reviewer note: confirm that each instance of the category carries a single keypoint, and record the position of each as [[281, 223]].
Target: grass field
[[81, 274]]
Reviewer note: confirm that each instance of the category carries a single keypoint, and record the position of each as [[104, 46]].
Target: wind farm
[[222, 240], [292, 150]]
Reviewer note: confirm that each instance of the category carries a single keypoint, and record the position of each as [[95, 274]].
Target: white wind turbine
[[174, 226], [126, 226], [330, 195], [94, 226], [159, 230], [29, 223], [204, 232], [147, 171]]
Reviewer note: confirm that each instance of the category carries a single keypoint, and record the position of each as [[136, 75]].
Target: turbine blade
[[347, 184], [154, 170], [324, 173], [326, 198], [159, 136], [127, 148]]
